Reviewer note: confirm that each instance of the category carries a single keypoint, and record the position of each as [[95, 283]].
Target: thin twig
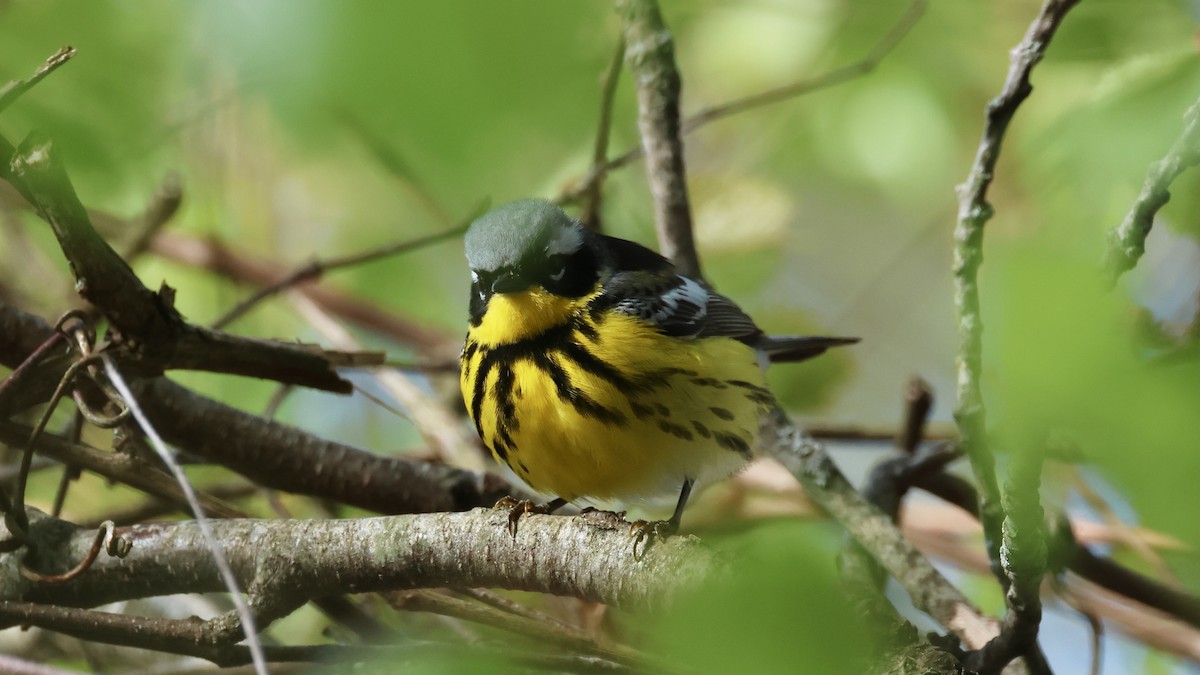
[[824, 483], [16, 519], [145, 319], [770, 97], [553, 631], [1096, 569], [243, 610], [1127, 241], [114, 466], [918, 402], [162, 207], [12, 91], [156, 508], [650, 55], [273, 454], [69, 472], [317, 268], [974, 211], [591, 212], [452, 442], [219, 258], [397, 166], [105, 540], [832, 78]]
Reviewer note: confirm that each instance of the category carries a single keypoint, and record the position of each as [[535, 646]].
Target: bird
[[597, 373]]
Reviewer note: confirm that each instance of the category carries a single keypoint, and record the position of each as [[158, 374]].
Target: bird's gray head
[[521, 233], [525, 244]]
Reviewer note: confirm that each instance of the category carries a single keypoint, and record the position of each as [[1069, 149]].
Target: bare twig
[[832, 78], [591, 211], [930, 591], [1077, 558], [553, 631], [158, 213], [105, 540], [886, 434], [277, 455], [145, 321], [451, 441], [398, 167], [152, 509], [211, 254], [771, 97], [1127, 241], [974, 211], [115, 466], [12, 91], [227, 576], [650, 55], [317, 268], [1145, 624], [918, 402]]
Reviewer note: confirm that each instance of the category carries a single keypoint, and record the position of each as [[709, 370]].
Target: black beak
[[510, 282]]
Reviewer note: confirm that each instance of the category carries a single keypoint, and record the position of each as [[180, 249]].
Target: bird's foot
[[519, 507], [647, 530]]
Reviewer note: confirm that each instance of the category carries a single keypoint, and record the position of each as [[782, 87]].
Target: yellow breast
[[607, 407]]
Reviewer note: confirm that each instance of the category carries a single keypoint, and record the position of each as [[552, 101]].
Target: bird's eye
[[559, 264]]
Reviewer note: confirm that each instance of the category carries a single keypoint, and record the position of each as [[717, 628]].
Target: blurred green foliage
[[830, 213], [784, 612]]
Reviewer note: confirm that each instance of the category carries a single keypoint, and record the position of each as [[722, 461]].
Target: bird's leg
[[519, 507], [647, 530]]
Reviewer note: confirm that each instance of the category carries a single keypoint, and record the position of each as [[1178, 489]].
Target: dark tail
[[792, 348]]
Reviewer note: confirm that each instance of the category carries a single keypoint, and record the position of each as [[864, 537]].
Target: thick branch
[[930, 591], [284, 457], [650, 55], [147, 322], [588, 556]]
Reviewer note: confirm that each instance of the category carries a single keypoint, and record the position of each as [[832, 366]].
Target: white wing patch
[[685, 303], [680, 310]]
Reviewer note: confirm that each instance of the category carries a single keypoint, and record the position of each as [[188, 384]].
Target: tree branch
[[608, 90], [589, 556], [974, 211], [930, 591], [650, 55], [146, 323], [770, 97], [12, 91], [1127, 241], [281, 456]]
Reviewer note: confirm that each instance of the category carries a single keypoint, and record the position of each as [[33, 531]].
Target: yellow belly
[[616, 410]]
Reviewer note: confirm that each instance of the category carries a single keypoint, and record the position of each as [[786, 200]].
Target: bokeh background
[[301, 129]]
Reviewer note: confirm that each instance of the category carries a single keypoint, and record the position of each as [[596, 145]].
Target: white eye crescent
[[557, 276]]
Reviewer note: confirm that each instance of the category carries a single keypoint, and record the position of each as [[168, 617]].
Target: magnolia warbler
[[595, 372]]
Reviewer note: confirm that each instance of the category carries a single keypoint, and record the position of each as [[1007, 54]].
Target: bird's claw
[[516, 509], [647, 531]]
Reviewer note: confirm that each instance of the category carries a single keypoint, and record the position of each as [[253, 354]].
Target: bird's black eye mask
[[572, 275]]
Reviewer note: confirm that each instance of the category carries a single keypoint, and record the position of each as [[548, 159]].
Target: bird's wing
[[645, 285], [676, 305]]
